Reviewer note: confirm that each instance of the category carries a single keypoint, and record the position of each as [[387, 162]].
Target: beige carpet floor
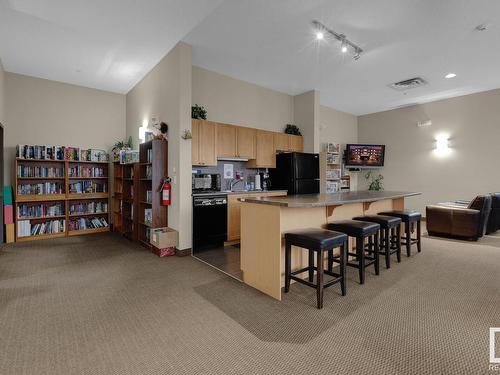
[[102, 305]]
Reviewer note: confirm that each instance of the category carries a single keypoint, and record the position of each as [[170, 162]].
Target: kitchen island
[[264, 221]]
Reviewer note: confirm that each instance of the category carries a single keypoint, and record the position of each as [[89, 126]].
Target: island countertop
[[333, 199]]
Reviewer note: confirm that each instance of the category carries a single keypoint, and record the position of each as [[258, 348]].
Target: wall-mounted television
[[364, 156]]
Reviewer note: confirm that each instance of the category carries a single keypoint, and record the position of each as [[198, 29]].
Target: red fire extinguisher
[[165, 190]]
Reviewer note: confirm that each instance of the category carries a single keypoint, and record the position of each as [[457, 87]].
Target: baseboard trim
[[183, 252]]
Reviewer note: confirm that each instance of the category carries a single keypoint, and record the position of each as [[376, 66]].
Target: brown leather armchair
[[462, 222], [494, 218]]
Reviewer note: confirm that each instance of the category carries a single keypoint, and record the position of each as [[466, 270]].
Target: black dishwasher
[[209, 222]]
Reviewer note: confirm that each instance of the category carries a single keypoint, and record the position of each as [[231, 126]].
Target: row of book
[[26, 211], [40, 189], [86, 171], [26, 228], [88, 208], [149, 171], [148, 216], [36, 171], [149, 196], [87, 187], [149, 155], [47, 152], [87, 223]]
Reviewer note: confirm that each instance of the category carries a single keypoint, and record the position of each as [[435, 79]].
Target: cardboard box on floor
[[162, 238]]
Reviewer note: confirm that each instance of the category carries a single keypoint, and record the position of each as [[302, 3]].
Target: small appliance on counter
[[257, 185], [266, 182], [206, 183], [297, 172]]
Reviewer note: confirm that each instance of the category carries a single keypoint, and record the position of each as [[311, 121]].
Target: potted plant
[[121, 145], [292, 129], [375, 181], [198, 112]]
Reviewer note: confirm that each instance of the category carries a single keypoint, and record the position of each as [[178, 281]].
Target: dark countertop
[[238, 192], [334, 199]]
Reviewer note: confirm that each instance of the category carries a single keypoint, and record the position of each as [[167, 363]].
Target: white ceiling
[[271, 43], [104, 44], [112, 44]]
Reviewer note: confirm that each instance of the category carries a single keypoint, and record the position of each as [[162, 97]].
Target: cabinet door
[[266, 156], [245, 142], [226, 141], [281, 142], [207, 144], [233, 217], [296, 143], [195, 142]]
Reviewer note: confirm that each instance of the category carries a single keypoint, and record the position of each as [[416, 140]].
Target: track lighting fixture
[[346, 44]]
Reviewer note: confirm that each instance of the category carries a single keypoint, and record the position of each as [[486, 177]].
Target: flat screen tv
[[365, 156]]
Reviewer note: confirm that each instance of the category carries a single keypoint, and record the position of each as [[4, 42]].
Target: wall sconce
[[442, 145]]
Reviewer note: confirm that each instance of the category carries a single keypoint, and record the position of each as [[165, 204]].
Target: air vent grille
[[408, 84]]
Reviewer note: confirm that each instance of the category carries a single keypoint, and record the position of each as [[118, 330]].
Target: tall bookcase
[[65, 195], [117, 197], [153, 168]]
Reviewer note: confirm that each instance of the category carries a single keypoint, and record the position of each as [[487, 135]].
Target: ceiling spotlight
[[450, 75], [344, 47], [346, 44], [482, 27]]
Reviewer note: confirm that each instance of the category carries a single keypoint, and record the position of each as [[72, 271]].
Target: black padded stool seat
[[316, 239], [404, 215], [319, 241], [390, 235], [409, 218], [384, 221], [355, 228], [360, 230]]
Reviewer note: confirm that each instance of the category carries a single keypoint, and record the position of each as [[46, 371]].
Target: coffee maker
[[265, 180]]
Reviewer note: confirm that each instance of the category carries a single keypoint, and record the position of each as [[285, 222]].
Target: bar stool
[[360, 230], [390, 235], [409, 218], [319, 241]]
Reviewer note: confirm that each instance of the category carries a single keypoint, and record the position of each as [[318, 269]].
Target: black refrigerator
[[297, 172]]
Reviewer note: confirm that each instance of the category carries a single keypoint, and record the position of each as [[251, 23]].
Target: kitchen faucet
[[232, 183]]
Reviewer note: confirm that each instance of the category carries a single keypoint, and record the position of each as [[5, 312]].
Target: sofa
[[464, 222]]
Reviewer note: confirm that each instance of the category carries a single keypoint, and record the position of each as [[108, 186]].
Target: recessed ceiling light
[[320, 35], [450, 75]]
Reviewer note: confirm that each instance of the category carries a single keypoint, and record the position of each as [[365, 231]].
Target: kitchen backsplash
[[238, 166]]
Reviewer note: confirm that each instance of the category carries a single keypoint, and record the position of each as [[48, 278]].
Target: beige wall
[[339, 127], [165, 92], [47, 112], [238, 102], [307, 117], [2, 94], [472, 123]]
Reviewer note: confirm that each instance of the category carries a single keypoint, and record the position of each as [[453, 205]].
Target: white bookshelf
[[332, 179]]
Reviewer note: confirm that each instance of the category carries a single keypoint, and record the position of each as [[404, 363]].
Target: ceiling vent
[[408, 84]]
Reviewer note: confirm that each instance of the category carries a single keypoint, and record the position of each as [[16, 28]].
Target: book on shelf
[[26, 228], [86, 171], [333, 174], [148, 216], [37, 171], [149, 155], [81, 187], [332, 158], [149, 171], [88, 208], [149, 196], [332, 186], [26, 211], [87, 223], [129, 156], [40, 188], [48, 152]]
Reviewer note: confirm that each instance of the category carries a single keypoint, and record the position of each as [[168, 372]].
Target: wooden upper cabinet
[[296, 143], [204, 143], [265, 152], [245, 143], [281, 142], [226, 141]]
